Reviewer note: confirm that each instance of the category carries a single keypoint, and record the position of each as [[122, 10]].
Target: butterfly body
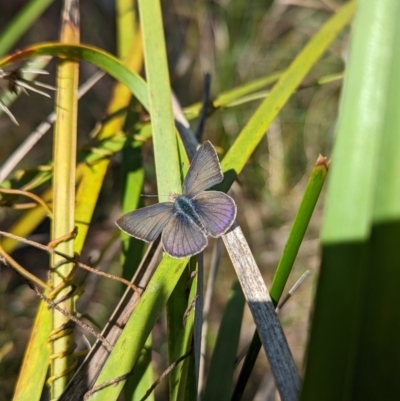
[[185, 209], [186, 222]]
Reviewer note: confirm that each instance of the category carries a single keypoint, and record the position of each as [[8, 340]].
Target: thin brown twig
[[165, 374], [124, 376], [84, 325], [69, 259], [54, 305], [28, 195], [106, 384], [8, 260]]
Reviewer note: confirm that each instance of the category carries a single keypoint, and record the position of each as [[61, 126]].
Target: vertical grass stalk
[[64, 155]]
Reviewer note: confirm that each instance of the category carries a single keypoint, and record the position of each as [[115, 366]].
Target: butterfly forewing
[[148, 222], [216, 210], [182, 238], [204, 171]]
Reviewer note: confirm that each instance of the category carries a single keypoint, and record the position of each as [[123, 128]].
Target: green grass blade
[[162, 121], [361, 118], [63, 223], [229, 96], [130, 343], [255, 129], [36, 359], [380, 327], [166, 155], [133, 180], [180, 313], [21, 23], [127, 29], [140, 382], [100, 58], [220, 373], [386, 205], [299, 228], [355, 270]]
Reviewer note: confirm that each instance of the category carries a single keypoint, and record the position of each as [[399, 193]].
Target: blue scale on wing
[[148, 222], [181, 237], [216, 210], [204, 171]]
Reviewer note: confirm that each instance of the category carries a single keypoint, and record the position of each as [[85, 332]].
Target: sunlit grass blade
[[64, 178], [234, 94], [98, 57], [159, 92], [139, 383], [128, 30], [357, 287], [255, 129], [21, 23], [95, 170], [36, 359], [298, 230], [167, 162], [147, 311], [129, 34]]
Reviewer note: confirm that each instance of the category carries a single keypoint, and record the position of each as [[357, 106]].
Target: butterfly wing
[[204, 171], [182, 238], [148, 222], [216, 210]]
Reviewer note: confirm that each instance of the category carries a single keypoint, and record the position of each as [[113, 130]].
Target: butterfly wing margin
[[146, 223], [204, 171], [182, 238], [216, 210]]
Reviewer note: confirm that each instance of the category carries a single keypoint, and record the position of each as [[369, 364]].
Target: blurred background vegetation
[[236, 41]]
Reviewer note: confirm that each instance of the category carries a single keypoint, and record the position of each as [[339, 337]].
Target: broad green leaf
[[355, 308]]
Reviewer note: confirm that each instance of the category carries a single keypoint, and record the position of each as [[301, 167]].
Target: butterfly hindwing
[[148, 222], [204, 171], [216, 210], [181, 237]]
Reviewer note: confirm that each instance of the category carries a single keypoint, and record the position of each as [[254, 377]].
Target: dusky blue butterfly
[[186, 222]]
